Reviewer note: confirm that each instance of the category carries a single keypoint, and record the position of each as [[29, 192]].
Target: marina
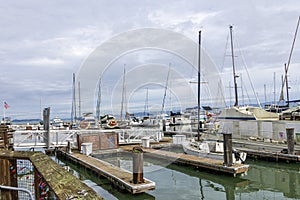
[[263, 180], [138, 101], [124, 179]]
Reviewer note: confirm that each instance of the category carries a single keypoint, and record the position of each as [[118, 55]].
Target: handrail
[[18, 189]]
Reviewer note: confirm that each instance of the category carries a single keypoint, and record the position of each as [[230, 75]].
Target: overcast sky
[[44, 42]]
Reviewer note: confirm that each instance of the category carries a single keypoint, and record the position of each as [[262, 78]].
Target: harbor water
[[264, 180]]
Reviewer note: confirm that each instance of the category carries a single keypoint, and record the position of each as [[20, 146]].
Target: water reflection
[[282, 178], [263, 181], [183, 182]]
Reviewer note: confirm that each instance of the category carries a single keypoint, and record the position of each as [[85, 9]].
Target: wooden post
[[227, 149], [8, 178], [13, 177], [4, 135], [69, 147], [6, 140], [46, 119], [290, 140], [36, 184], [164, 124], [138, 165]]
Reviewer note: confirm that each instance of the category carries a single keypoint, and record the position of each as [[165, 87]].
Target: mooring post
[[227, 149], [290, 140], [69, 147], [138, 174], [164, 124], [46, 119]]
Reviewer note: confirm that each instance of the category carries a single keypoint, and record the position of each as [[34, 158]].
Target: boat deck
[[205, 163], [120, 177]]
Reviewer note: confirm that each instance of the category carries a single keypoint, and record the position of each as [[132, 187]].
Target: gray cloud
[[43, 43]]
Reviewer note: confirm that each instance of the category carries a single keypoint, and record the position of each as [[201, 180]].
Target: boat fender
[[237, 156], [284, 151]]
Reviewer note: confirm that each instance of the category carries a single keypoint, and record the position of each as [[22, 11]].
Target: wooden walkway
[[205, 163], [266, 150], [63, 184], [120, 177]]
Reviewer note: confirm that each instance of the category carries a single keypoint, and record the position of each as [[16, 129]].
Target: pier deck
[[266, 150], [206, 163], [63, 184], [120, 177]]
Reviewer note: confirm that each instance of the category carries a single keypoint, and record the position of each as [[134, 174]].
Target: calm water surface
[[264, 180]]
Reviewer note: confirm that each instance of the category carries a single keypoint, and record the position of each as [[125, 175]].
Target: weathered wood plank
[[63, 184], [206, 163], [120, 177]]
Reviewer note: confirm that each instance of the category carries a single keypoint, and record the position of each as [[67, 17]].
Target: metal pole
[[234, 75], [287, 86], [199, 96]]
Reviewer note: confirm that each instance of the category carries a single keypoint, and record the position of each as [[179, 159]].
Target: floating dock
[[120, 177], [205, 163], [266, 150]]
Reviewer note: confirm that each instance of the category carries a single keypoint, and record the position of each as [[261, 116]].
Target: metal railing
[[2, 187]]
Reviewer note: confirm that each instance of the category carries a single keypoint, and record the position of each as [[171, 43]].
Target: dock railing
[[38, 138], [135, 136], [41, 176]]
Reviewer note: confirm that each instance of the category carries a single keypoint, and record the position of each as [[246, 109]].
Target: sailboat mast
[[79, 100], [146, 104], [233, 67], [123, 94], [286, 68], [166, 87], [98, 106], [198, 107], [73, 112], [287, 86]]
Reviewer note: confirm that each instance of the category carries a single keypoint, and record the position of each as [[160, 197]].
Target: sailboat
[[243, 112], [208, 149]]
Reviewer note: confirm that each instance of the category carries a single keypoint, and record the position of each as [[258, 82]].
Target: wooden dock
[[120, 177], [205, 163], [266, 150], [63, 184]]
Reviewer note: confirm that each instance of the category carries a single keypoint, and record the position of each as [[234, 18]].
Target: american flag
[[5, 105]]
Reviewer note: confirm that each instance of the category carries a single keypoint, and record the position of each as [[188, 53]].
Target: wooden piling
[[164, 125], [138, 174], [46, 119], [199, 162], [290, 140], [8, 169], [117, 176], [227, 149]]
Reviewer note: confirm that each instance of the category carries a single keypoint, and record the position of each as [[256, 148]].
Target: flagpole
[[3, 111]]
